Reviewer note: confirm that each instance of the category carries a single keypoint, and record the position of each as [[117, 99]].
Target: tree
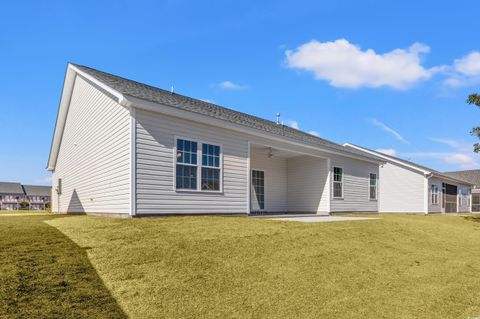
[[24, 204], [475, 99]]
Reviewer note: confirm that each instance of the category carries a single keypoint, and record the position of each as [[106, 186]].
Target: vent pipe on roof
[[278, 118], [172, 89]]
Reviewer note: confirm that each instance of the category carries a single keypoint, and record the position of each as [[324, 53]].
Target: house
[[406, 187], [471, 176], [127, 148], [38, 196], [13, 194]]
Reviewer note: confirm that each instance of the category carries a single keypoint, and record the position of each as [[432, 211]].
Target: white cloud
[[387, 151], [460, 160], [465, 71], [293, 124], [314, 133], [468, 65], [229, 85], [461, 155], [463, 160], [388, 129], [459, 145], [345, 65]]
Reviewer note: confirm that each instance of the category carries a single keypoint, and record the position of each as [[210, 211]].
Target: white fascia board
[[131, 101], [388, 159], [68, 84]]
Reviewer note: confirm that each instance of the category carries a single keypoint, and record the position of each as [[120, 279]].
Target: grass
[[214, 267], [25, 212], [44, 274]]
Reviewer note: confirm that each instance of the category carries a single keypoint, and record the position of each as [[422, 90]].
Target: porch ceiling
[[266, 150]]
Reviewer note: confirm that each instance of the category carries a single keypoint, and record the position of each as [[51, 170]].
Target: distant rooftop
[[36, 190], [471, 176], [19, 189], [11, 188]]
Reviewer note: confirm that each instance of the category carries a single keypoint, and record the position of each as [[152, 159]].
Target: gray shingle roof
[[36, 190], [11, 188], [472, 176], [157, 95]]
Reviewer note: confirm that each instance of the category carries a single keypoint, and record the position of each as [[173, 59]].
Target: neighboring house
[[38, 197], [471, 176], [406, 187], [12, 194], [122, 147]]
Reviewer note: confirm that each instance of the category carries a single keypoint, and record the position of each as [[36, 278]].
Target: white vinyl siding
[[308, 184], [155, 164], [401, 190], [94, 156], [355, 185], [275, 170]]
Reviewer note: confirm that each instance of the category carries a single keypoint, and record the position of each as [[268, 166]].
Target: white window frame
[[341, 182], [436, 194], [370, 185], [198, 166]]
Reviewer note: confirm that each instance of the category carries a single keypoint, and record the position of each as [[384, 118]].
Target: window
[[210, 167], [186, 171], [373, 186], [338, 182], [189, 169], [434, 194]]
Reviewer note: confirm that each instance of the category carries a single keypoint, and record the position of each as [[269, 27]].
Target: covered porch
[[286, 181]]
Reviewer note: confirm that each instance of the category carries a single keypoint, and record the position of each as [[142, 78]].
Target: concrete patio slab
[[322, 219]]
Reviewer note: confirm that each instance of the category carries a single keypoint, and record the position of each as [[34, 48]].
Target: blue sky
[[382, 74]]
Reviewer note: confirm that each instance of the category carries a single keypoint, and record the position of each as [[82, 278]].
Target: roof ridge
[[154, 94]]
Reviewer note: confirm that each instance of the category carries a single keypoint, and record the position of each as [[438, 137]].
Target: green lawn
[[233, 267], [23, 212]]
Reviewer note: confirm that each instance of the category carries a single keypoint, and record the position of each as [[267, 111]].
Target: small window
[[210, 167], [434, 194], [186, 170], [373, 186], [338, 182]]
